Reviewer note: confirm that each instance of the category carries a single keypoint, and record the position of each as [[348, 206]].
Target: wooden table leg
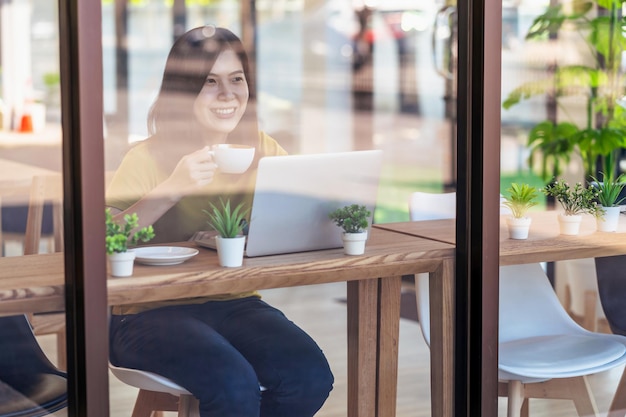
[[441, 292], [388, 335], [362, 346]]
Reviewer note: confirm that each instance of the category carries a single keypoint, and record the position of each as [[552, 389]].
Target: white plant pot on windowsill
[[121, 263], [608, 221], [354, 243], [518, 227], [230, 250]]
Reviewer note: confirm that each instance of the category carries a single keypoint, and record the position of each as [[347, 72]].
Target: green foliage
[[352, 218], [51, 79], [521, 199], [577, 200], [553, 144], [602, 134], [596, 143], [228, 223], [549, 22], [120, 236], [609, 189]]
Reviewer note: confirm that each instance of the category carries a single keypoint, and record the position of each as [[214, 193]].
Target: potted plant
[[353, 219], [575, 202], [118, 239], [520, 199], [600, 137], [229, 224], [609, 190]]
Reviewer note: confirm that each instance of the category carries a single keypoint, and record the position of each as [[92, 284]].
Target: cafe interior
[[447, 312]]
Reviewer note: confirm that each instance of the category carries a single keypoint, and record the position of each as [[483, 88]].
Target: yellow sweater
[[139, 173]]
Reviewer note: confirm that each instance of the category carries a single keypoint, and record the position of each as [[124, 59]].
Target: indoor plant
[[229, 224], [520, 200], [575, 202], [353, 219], [595, 76], [118, 238], [608, 192]]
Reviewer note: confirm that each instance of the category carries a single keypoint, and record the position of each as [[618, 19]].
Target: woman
[[220, 348]]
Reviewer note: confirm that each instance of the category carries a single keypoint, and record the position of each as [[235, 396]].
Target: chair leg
[[590, 321], [149, 401], [515, 399], [618, 404], [188, 406], [575, 389], [583, 398], [525, 410]]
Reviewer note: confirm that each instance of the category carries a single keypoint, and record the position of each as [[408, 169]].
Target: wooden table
[[544, 244], [35, 283]]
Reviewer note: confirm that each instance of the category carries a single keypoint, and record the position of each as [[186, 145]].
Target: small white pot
[[609, 220], [570, 224], [230, 250], [518, 227], [121, 264], [354, 243]]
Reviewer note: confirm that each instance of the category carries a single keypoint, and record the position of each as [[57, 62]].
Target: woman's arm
[[192, 172]]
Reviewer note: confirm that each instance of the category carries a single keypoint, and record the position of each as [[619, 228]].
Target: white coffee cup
[[231, 158]]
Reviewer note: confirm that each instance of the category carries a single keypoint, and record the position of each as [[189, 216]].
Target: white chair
[[538, 339], [543, 352], [156, 393], [432, 206]]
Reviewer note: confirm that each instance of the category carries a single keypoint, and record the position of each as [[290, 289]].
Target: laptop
[[294, 194]]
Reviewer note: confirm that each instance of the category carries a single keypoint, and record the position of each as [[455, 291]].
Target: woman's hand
[[192, 172]]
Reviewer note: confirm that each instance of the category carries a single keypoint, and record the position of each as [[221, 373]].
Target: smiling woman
[[219, 348]]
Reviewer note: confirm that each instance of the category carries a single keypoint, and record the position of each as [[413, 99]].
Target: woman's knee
[[320, 381], [237, 396], [311, 377]]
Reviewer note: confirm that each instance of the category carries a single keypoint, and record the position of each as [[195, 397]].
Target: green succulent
[[227, 222], [521, 199], [609, 190]]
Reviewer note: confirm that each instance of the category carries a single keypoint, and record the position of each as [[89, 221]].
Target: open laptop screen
[[295, 193]]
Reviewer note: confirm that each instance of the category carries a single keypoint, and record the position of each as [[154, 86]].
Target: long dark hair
[[188, 64]]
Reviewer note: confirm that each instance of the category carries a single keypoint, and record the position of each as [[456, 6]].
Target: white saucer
[[163, 255]]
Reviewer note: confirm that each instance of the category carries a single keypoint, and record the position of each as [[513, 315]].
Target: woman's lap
[[227, 347]]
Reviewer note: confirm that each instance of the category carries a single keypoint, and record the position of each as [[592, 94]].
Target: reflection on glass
[[30, 134], [31, 205]]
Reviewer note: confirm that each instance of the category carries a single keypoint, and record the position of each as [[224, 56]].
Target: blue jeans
[[221, 351]]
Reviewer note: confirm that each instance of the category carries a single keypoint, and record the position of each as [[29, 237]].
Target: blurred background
[[333, 75]]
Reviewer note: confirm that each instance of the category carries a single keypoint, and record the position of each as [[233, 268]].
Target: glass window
[[329, 77], [31, 204]]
